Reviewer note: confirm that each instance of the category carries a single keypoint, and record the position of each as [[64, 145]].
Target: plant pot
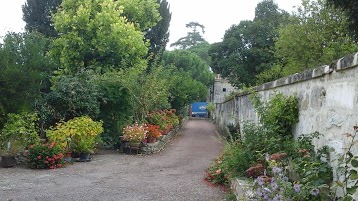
[[84, 157], [8, 161], [134, 144], [151, 139], [68, 157]]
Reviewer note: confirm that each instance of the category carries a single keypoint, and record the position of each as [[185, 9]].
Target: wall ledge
[[347, 62]]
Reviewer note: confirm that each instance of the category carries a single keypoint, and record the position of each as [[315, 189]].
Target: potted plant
[[153, 133], [79, 134], [9, 153], [135, 134], [18, 133]]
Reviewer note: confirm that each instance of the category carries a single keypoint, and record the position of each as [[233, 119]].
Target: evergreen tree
[[193, 38], [37, 15], [159, 34]]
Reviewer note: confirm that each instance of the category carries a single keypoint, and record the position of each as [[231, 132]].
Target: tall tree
[[193, 38], [37, 15], [190, 63], [248, 48], [95, 35], [143, 13], [316, 35], [24, 71], [202, 50], [351, 7], [158, 35]]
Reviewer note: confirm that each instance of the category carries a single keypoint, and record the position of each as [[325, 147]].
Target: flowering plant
[[165, 119], [135, 133], [45, 156], [153, 131]]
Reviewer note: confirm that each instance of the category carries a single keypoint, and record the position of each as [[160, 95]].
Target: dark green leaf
[[354, 163]]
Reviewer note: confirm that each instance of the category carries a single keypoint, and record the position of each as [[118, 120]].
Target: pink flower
[[218, 171], [39, 157]]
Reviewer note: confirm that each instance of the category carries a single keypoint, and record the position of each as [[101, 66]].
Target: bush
[[79, 134], [232, 162], [21, 128], [45, 156]]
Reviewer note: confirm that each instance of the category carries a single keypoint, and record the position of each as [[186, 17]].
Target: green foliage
[[72, 97], [191, 63], [158, 35], [37, 15], [315, 35], [351, 8], [346, 172], [96, 35], [149, 91], [193, 38], [232, 162], [202, 50], [248, 48], [185, 90], [269, 140], [19, 128], [143, 13], [211, 107], [24, 71], [79, 134], [115, 106], [280, 113], [45, 156]]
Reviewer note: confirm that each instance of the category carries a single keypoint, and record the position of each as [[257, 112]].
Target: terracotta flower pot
[[151, 139]]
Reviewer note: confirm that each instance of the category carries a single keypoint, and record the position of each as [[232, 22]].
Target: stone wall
[[328, 102]]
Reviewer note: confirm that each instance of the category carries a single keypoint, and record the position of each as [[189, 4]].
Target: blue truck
[[198, 109]]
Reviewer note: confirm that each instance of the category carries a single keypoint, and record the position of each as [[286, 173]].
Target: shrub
[[45, 156], [135, 133], [79, 134], [153, 131], [21, 128]]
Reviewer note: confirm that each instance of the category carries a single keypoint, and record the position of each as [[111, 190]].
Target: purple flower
[[315, 192], [278, 198], [260, 181], [274, 186], [297, 188], [276, 170]]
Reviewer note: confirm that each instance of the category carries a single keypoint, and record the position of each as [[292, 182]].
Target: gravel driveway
[[175, 173]]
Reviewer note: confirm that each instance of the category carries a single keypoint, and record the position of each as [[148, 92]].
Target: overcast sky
[[216, 15]]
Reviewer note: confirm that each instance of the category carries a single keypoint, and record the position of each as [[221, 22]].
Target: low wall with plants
[[295, 138]]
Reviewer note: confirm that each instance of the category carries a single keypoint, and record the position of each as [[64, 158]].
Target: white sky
[[216, 16]]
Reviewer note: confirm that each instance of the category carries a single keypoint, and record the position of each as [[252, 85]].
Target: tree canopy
[[190, 63], [24, 71], [96, 35], [193, 38], [316, 35], [351, 7], [37, 15], [248, 48], [158, 35]]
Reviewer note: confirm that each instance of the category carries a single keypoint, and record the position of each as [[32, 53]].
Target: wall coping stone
[[349, 61]]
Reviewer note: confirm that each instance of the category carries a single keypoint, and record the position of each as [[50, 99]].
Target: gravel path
[[174, 174]]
